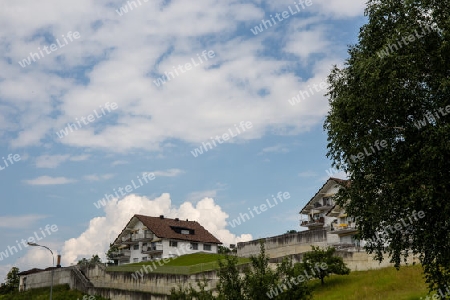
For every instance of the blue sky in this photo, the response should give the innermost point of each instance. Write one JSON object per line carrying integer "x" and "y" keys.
{"x": 106, "y": 62}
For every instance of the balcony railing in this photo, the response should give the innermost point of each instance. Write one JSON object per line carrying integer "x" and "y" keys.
{"x": 343, "y": 227}
{"x": 122, "y": 254}
{"x": 312, "y": 223}
{"x": 142, "y": 236}
{"x": 152, "y": 249}
{"x": 137, "y": 237}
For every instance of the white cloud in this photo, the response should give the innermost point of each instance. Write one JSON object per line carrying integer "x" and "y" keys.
{"x": 275, "y": 149}
{"x": 80, "y": 157}
{"x": 95, "y": 177}
{"x": 119, "y": 162}
{"x": 104, "y": 230}
{"x": 171, "y": 37}
{"x": 23, "y": 221}
{"x": 168, "y": 173}
{"x": 50, "y": 161}
{"x": 48, "y": 180}
{"x": 53, "y": 161}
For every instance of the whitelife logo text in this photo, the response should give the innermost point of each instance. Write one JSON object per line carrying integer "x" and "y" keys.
{"x": 90, "y": 118}
{"x": 128, "y": 189}
{"x": 27, "y": 61}
{"x": 263, "y": 207}
{"x": 225, "y": 137}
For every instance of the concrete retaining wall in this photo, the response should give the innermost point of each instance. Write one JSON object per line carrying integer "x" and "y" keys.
{"x": 286, "y": 244}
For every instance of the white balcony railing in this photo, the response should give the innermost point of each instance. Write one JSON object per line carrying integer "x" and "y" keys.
{"x": 156, "y": 247}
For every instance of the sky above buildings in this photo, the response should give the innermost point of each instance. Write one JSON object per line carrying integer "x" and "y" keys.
{"x": 193, "y": 109}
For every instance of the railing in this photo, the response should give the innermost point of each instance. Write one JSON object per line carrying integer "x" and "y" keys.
{"x": 157, "y": 247}
{"x": 120, "y": 253}
{"x": 342, "y": 226}
{"x": 320, "y": 221}
{"x": 141, "y": 236}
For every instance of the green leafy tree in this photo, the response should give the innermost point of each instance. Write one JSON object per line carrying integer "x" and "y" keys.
{"x": 292, "y": 281}
{"x": 90, "y": 262}
{"x": 12, "y": 281}
{"x": 257, "y": 281}
{"x": 394, "y": 91}
{"x": 259, "y": 278}
{"x": 110, "y": 254}
{"x": 224, "y": 250}
{"x": 230, "y": 286}
{"x": 321, "y": 263}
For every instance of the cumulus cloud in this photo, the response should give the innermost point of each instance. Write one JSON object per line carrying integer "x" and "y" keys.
{"x": 104, "y": 230}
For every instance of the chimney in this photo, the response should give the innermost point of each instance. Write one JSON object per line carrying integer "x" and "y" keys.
{"x": 161, "y": 216}
{"x": 58, "y": 261}
{"x": 176, "y": 219}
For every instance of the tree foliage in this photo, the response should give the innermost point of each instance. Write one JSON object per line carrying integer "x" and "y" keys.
{"x": 377, "y": 97}
{"x": 110, "y": 254}
{"x": 321, "y": 263}
{"x": 257, "y": 280}
{"x": 95, "y": 259}
{"x": 12, "y": 282}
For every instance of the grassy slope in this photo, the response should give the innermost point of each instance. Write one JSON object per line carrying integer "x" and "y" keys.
{"x": 60, "y": 292}
{"x": 385, "y": 284}
{"x": 185, "y": 264}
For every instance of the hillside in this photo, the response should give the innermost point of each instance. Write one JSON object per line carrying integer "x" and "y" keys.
{"x": 185, "y": 264}
{"x": 385, "y": 284}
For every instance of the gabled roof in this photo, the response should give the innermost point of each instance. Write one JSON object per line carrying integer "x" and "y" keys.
{"x": 325, "y": 187}
{"x": 164, "y": 228}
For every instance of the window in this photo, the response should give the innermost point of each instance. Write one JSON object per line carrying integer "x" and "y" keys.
{"x": 173, "y": 244}
{"x": 207, "y": 247}
{"x": 136, "y": 259}
{"x": 136, "y": 247}
{"x": 144, "y": 258}
{"x": 182, "y": 230}
{"x": 194, "y": 246}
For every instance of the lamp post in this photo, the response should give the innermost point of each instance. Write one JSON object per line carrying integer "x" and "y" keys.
{"x": 51, "y": 284}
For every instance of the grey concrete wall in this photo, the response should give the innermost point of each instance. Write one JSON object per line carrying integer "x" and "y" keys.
{"x": 150, "y": 282}
{"x": 285, "y": 244}
{"x": 43, "y": 279}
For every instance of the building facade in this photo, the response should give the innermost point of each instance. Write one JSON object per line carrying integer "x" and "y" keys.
{"x": 147, "y": 238}
{"x": 321, "y": 212}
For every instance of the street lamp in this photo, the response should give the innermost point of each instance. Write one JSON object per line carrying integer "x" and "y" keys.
{"x": 51, "y": 284}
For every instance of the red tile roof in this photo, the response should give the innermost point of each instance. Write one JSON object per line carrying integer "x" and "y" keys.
{"x": 163, "y": 228}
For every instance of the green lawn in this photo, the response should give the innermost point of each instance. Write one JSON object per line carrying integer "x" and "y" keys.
{"x": 185, "y": 264}
{"x": 60, "y": 292}
{"x": 382, "y": 284}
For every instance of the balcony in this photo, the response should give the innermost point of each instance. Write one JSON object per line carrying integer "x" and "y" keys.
{"x": 320, "y": 207}
{"x": 152, "y": 249}
{"x": 343, "y": 228}
{"x": 134, "y": 238}
{"x": 313, "y": 223}
{"x": 122, "y": 254}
